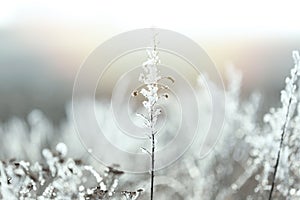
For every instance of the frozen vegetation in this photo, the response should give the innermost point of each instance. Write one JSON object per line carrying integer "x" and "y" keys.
{"x": 252, "y": 159}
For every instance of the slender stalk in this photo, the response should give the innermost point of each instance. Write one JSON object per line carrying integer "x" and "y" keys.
{"x": 152, "y": 156}
{"x": 290, "y": 87}
{"x": 150, "y": 78}
{"x": 279, "y": 150}
{"x": 152, "y": 167}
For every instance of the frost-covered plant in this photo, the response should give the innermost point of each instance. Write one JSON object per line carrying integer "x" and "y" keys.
{"x": 288, "y": 99}
{"x": 225, "y": 163}
{"x": 151, "y": 91}
{"x": 58, "y": 177}
{"x": 274, "y": 149}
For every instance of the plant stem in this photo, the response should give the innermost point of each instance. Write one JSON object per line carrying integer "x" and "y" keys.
{"x": 279, "y": 150}
{"x": 152, "y": 166}
{"x": 152, "y": 155}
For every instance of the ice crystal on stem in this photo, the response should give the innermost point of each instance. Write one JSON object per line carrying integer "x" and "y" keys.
{"x": 151, "y": 92}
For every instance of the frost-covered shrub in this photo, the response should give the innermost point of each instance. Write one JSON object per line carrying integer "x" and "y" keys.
{"x": 57, "y": 177}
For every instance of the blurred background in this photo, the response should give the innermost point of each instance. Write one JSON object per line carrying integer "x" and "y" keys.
{"x": 42, "y": 44}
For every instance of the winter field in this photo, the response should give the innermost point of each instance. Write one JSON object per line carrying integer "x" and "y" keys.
{"x": 156, "y": 100}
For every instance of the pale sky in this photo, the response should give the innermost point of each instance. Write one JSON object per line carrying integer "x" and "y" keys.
{"x": 210, "y": 17}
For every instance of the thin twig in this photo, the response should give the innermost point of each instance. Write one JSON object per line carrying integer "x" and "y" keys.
{"x": 281, "y": 145}
{"x": 279, "y": 151}
{"x": 152, "y": 156}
